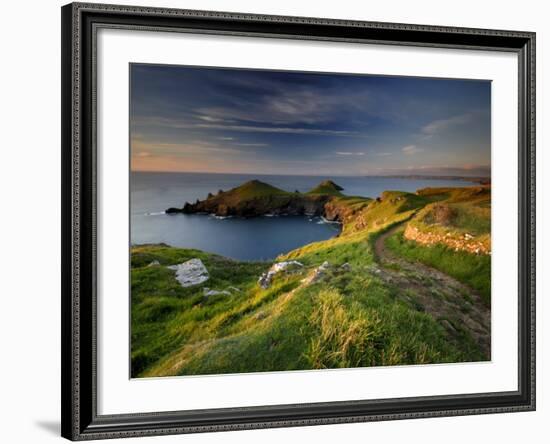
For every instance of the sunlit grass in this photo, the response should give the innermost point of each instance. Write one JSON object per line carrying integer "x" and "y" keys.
{"x": 352, "y": 318}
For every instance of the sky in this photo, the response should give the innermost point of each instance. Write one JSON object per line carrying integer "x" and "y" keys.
{"x": 196, "y": 119}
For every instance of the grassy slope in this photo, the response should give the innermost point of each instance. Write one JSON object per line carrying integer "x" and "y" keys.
{"x": 327, "y": 187}
{"x": 469, "y": 212}
{"x": 254, "y": 189}
{"x": 470, "y": 269}
{"x": 164, "y": 314}
{"x": 250, "y": 190}
{"x": 350, "y": 319}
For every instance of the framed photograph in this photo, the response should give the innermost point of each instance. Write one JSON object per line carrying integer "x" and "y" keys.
{"x": 282, "y": 221}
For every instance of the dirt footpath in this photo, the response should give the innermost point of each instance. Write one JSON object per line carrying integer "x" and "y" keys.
{"x": 455, "y": 305}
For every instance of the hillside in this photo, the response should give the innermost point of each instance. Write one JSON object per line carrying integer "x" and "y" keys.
{"x": 327, "y": 187}
{"x": 367, "y": 297}
{"x": 255, "y": 198}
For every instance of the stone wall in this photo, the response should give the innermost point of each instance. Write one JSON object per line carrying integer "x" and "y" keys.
{"x": 465, "y": 242}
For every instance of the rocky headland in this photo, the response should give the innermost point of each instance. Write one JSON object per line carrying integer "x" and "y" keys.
{"x": 256, "y": 198}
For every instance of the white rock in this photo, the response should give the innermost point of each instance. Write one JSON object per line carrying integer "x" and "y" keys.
{"x": 265, "y": 279}
{"x": 320, "y": 272}
{"x": 153, "y": 263}
{"x": 192, "y": 272}
{"x": 317, "y": 274}
{"x": 207, "y": 292}
{"x": 345, "y": 267}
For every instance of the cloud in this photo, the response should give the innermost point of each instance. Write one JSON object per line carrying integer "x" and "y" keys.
{"x": 411, "y": 149}
{"x": 283, "y": 130}
{"x": 349, "y": 153}
{"x": 383, "y": 154}
{"x": 179, "y": 124}
{"x": 251, "y": 144}
{"x": 145, "y": 149}
{"x": 284, "y": 103}
{"x": 442, "y": 125}
{"x": 211, "y": 119}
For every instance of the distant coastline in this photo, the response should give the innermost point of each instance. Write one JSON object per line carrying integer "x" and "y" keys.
{"x": 475, "y": 179}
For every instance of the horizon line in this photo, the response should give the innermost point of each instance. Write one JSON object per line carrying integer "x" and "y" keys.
{"x": 319, "y": 175}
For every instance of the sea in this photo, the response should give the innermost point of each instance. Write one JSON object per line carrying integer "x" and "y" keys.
{"x": 252, "y": 239}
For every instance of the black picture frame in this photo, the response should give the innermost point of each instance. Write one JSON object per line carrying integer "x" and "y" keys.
{"x": 80, "y": 22}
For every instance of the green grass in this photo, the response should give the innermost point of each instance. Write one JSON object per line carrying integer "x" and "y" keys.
{"x": 470, "y": 269}
{"x": 249, "y": 191}
{"x": 393, "y": 206}
{"x": 474, "y": 219}
{"x": 352, "y": 318}
{"x": 164, "y": 314}
{"x": 348, "y": 321}
{"x": 327, "y": 187}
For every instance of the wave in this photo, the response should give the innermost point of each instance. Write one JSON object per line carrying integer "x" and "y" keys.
{"x": 156, "y": 213}
{"x": 324, "y": 220}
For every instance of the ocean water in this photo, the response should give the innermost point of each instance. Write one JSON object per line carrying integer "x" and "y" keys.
{"x": 259, "y": 238}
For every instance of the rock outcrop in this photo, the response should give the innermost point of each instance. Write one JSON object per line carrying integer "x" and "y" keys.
{"x": 318, "y": 274}
{"x": 287, "y": 266}
{"x": 192, "y": 272}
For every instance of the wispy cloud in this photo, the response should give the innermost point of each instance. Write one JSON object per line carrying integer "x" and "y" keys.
{"x": 441, "y": 125}
{"x": 286, "y": 104}
{"x": 350, "y": 153}
{"x": 142, "y": 148}
{"x": 251, "y": 144}
{"x": 383, "y": 154}
{"x": 284, "y": 130}
{"x": 211, "y": 119}
{"x": 179, "y": 124}
{"x": 411, "y": 149}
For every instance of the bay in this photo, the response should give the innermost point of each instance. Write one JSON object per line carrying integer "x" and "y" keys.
{"x": 261, "y": 238}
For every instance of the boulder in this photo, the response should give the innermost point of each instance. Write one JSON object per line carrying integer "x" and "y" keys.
{"x": 192, "y": 272}
{"x": 345, "y": 267}
{"x": 320, "y": 272}
{"x": 265, "y": 279}
{"x": 317, "y": 274}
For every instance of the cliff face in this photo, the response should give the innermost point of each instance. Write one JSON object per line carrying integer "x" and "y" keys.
{"x": 336, "y": 210}
{"x": 256, "y": 198}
